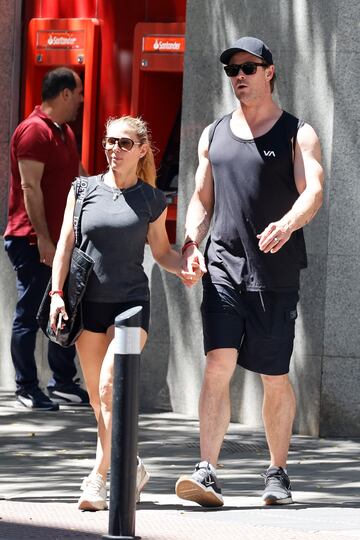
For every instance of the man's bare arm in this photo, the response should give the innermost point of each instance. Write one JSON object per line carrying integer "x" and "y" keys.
{"x": 200, "y": 209}
{"x": 201, "y": 205}
{"x": 31, "y": 173}
{"x": 309, "y": 179}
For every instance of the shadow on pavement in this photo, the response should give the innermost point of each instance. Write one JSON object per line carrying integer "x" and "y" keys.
{"x": 44, "y": 457}
{"x": 16, "y": 531}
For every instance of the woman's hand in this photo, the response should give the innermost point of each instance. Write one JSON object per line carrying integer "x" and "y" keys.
{"x": 57, "y": 306}
{"x": 191, "y": 278}
{"x": 193, "y": 265}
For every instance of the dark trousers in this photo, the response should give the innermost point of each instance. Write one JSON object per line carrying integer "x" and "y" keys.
{"x": 31, "y": 282}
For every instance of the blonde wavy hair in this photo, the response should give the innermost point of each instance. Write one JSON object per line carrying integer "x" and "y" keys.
{"x": 146, "y": 169}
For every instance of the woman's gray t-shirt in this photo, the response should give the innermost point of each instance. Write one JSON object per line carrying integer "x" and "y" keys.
{"x": 114, "y": 228}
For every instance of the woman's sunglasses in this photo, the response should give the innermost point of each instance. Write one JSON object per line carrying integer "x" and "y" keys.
{"x": 124, "y": 143}
{"x": 248, "y": 68}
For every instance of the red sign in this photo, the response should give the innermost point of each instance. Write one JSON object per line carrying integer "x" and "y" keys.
{"x": 163, "y": 44}
{"x": 60, "y": 39}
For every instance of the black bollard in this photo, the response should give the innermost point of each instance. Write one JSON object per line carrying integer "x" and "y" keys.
{"x": 127, "y": 350}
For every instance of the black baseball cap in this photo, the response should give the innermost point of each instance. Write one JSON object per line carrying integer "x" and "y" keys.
{"x": 251, "y": 45}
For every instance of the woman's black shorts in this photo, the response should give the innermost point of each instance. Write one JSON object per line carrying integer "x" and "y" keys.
{"x": 99, "y": 316}
{"x": 260, "y": 325}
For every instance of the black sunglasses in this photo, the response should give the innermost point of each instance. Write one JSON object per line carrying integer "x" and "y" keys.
{"x": 124, "y": 143}
{"x": 248, "y": 68}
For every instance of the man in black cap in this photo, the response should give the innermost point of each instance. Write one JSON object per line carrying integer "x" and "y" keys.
{"x": 259, "y": 180}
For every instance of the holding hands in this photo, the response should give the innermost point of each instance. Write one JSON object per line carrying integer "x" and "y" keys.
{"x": 193, "y": 264}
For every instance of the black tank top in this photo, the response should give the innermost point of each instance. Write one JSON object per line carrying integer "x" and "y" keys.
{"x": 254, "y": 186}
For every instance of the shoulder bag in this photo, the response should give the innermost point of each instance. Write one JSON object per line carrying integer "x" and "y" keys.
{"x": 75, "y": 284}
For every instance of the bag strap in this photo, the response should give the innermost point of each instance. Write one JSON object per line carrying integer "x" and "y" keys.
{"x": 80, "y": 187}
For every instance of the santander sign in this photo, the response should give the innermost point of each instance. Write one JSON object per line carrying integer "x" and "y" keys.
{"x": 60, "y": 39}
{"x": 164, "y": 44}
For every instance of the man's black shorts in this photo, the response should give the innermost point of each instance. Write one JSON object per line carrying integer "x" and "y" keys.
{"x": 260, "y": 325}
{"x": 99, "y": 316}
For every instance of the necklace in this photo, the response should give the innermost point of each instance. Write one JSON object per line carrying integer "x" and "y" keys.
{"x": 116, "y": 191}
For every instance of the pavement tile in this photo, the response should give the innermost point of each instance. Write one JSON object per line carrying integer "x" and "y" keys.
{"x": 44, "y": 456}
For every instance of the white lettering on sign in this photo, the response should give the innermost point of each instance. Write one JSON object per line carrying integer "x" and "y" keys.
{"x": 166, "y": 45}
{"x": 54, "y": 40}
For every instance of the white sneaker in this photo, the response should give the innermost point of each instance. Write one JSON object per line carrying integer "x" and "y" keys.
{"x": 142, "y": 478}
{"x": 94, "y": 496}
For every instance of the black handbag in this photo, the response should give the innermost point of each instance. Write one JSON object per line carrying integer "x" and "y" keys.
{"x": 75, "y": 284}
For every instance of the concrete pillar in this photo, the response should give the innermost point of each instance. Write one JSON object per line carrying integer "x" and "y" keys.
{"x": 316, "y": 51}
{"x": 10, "y": 50}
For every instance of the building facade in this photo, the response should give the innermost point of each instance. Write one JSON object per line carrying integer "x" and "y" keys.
{"x": 316, "y": 49}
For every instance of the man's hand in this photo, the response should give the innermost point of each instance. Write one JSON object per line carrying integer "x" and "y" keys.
{"x": 274, "y": 236}
{"x": 193, "y": 266}
{"x": 47, "y": 250}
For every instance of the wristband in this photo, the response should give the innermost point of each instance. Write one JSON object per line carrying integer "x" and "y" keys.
{"x": 188, "y": 244}
{"x": 59, "y": 292}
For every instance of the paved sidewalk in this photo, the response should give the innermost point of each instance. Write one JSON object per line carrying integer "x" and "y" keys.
{"x": 44, "y": 456}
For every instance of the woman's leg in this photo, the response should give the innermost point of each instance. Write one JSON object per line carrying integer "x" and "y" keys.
{"x": 103, "y": 452}
{"x": 91, "y": 348}
{"x": 96, "y": 353}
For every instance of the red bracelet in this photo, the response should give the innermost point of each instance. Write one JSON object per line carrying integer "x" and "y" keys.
{"x": 188, "y": 244}
{"x": 59, "y": 292}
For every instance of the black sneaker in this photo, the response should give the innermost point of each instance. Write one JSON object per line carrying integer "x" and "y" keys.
{"x": 70, "y": 393}
{"x": 201, "y": 487}
{"x": 277, "y": 487}
{"x": 36, "y": 399}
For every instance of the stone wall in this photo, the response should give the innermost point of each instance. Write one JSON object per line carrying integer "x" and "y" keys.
{"x": 10, "y": 45}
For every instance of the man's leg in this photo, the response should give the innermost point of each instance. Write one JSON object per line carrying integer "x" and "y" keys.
{"x": 267, "y": 349}
{"x": 214, "y": 412}
{"x": 23, "y": 336}
{"x": 278, "y": 415}
{"x": 61, "y": 362}
{"x": 31, "y": 277}
{"x": 62, "y": 387}
{"x": 214, "y": 406}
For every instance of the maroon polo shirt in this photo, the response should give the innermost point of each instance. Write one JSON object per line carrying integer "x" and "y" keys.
{"x": 37, "y": 138}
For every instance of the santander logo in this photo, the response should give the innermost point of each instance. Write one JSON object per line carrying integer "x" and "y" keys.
{"x": 166, "y": 45}
{"x": 163, "y": 44}
{"x": 60, "y": 40}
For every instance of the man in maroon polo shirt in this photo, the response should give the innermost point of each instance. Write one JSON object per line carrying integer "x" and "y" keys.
{"x": 44, "y": 162}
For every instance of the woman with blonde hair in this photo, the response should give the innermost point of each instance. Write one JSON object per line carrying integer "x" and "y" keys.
{"x": 122, "y": 209}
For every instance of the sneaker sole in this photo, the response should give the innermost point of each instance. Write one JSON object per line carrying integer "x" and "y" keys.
{"x": 20, "y": 404}
{"x": 188, "y": 489}
{"x": 272, "y": 500}
{"x": 91, "y": 506}
{"x": 64, "y": 398}
{"x": 60, "y": 401}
